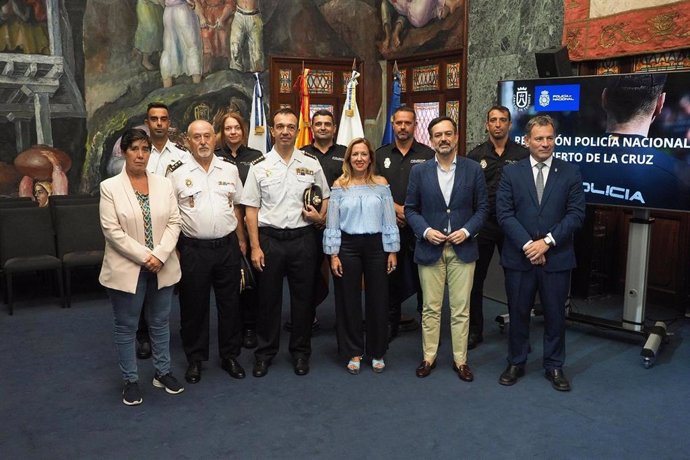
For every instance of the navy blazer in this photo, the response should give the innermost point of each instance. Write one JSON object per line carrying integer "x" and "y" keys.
{"x": 425, "y": 207}
{"x": 522, "y": 218}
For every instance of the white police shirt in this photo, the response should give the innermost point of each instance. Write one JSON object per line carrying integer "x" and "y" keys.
{"x": 160, "y": 160}
{"x": 277, "y": 188}
{"x": 207, "y": 199}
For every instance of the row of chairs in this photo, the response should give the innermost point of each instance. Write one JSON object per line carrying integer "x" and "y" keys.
{"x": 59, "y": 238}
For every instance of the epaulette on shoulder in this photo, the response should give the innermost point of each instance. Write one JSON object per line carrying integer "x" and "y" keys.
{"x": 310, "y": 155}
{"x": 226, "y": 159}
{"x": 173, "y": 166}
{"x": 258, "y": 160}
{"x": 181, "y": 146}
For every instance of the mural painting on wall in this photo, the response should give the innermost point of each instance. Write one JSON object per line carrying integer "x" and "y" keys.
{"x": 23, "y": 27}
{"x": 417, "y": 26}
{"x": 202, "y": 51}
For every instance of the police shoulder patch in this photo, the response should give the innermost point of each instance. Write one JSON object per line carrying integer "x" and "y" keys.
{"x": 259, "y": 160}
{"x": 181, "y": 146}
{"x": 310, "y": 155}
{"x": 173, "y": 166}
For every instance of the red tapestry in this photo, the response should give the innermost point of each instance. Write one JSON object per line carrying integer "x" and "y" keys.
{"x": 636, "y": 30}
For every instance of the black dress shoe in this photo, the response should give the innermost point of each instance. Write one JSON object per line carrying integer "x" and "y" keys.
{"x": 249, "y": 339}
{"x": 511, "y": 375}
{"x": 557, "y": 379}
{"x": 193, "y": 374}
{"x": 232, "y": 367}
{"x": 301, "y": 366}
{"x": 464, "y": 372}
{"x": 143, "y": 349}
{"x": 424, "y": 369}
{"x": 260, "y": 368}
{"x": 474, "y": 340}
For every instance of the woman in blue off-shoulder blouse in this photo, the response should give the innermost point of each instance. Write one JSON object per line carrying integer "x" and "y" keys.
{"x": 362, "y": 238}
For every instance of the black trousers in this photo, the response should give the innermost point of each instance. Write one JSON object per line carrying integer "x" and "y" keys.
{"x": 362, "y": 255}
{"x": 206, "y": 264}
{"x": 404, "y": 281}
{"x": 292, "y": 253}
{"x": 490, "y": 237}
{"x": 249, "y": 303}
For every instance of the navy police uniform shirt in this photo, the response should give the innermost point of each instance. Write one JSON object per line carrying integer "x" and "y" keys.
{"x": 331, "y": 161}
{"x": 492, "y": 165}
{"x": 395, "y": 167}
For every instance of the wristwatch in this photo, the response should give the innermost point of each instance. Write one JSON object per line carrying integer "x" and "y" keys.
{"x": 549, "y": 241}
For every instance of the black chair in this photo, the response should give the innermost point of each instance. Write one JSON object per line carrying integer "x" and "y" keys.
{"x": 58, "y": 200}
{"x": 17, "y": 202}
{"x": 79, "y": 238}
{"x": 27, "y": 244}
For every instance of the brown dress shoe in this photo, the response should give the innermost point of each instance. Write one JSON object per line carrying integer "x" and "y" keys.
{"x": 464, "y": 372}
{"x": 424, "y": 369}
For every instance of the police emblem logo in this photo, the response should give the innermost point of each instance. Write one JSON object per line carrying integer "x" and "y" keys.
{"x": 387, "y": 163}
{"x": 521, "y": 98}
{"x": 544, "y": 98}
{"x": 483, "y": 163}
{"x": 188, "y": 182}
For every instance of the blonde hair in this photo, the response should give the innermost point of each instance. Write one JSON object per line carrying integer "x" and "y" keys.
{"x": 346, "y": 177}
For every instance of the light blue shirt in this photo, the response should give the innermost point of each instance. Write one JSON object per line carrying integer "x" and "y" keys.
{"x": 361, "y": 210}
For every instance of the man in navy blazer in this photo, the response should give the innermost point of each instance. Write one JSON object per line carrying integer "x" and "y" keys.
{"x": 539, "y": 204}
{"x": 446, "y": 205}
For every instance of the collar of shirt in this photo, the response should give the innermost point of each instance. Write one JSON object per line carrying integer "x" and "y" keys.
{"x": 452, "y": 166}
{"x": 167, "y": 147}
{"x": 215, "y": 163}
{"x": 273, "y": 157}
{"x": 547, "y": 162}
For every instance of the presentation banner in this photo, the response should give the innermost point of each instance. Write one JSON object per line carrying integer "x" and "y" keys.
{"x": 629, "y": 133}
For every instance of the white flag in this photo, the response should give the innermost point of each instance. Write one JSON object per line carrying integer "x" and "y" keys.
{"x": 258, "y": 130}
{"x": 350, "y": 123}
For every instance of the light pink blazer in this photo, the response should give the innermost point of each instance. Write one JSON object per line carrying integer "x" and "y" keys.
{"x": 123, "y": 227}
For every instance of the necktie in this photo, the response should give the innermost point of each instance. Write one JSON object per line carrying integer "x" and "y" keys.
{"x": 540, "y": 181}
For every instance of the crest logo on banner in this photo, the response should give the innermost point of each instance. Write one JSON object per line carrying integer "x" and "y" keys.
{"x": 521, "y": 98}
{"x": 544, "y": 98}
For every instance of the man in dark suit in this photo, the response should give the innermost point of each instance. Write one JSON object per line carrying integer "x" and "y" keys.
{"x": 539, "y": 204}
{"x": 446, "y": 204}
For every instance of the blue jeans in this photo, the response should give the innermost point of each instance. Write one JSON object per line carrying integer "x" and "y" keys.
{"x": 126, "y": 311}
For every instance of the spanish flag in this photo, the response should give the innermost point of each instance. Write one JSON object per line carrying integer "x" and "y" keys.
{"x": 304, "y": 135}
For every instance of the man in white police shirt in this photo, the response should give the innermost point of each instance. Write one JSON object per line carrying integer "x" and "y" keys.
{"x": 208, "y": 190}
{"x": 394, "y": 162}
{"x": 281, "y": 235}
{"x": 164, "y": 153}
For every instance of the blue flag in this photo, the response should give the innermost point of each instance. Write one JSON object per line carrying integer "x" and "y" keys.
{"x": 392, "y": 107}
{"x": 258, "y": 137}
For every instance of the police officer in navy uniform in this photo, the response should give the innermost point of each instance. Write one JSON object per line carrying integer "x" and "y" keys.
{"x": 164, "y": 153}
{"x": 394, "y": 162}
{"x": 233, "y": 134}
{"x": 281, "y": 235}
{"x": 492, "y": 156}
{"x": 208, "y": 190}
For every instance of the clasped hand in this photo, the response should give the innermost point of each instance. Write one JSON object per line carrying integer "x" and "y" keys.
{"x": 536, "y": 252}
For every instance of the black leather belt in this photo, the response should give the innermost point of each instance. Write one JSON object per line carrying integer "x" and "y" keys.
{"x": 287, "y": 233}
{"x": 214, "y": 243}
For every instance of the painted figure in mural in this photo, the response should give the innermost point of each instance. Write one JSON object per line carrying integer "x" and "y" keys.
{"x": 214, "y": 18}
{"x": 148, "y": 38}
{"x": 416, "y": 12}
{"x": 247, "y": 29}
{"x": 181, "y": 42}
{"x": 38, "y": 164}
{"x": 23, "y": 27}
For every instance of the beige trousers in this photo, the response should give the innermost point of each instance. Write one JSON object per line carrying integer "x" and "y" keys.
{"x": 449, "y": 268}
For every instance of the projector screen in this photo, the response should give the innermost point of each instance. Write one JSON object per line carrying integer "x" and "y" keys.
{"x": 629, "y": 133}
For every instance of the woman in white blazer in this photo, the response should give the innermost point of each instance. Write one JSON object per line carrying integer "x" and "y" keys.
{"x": 141, "y": 224}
